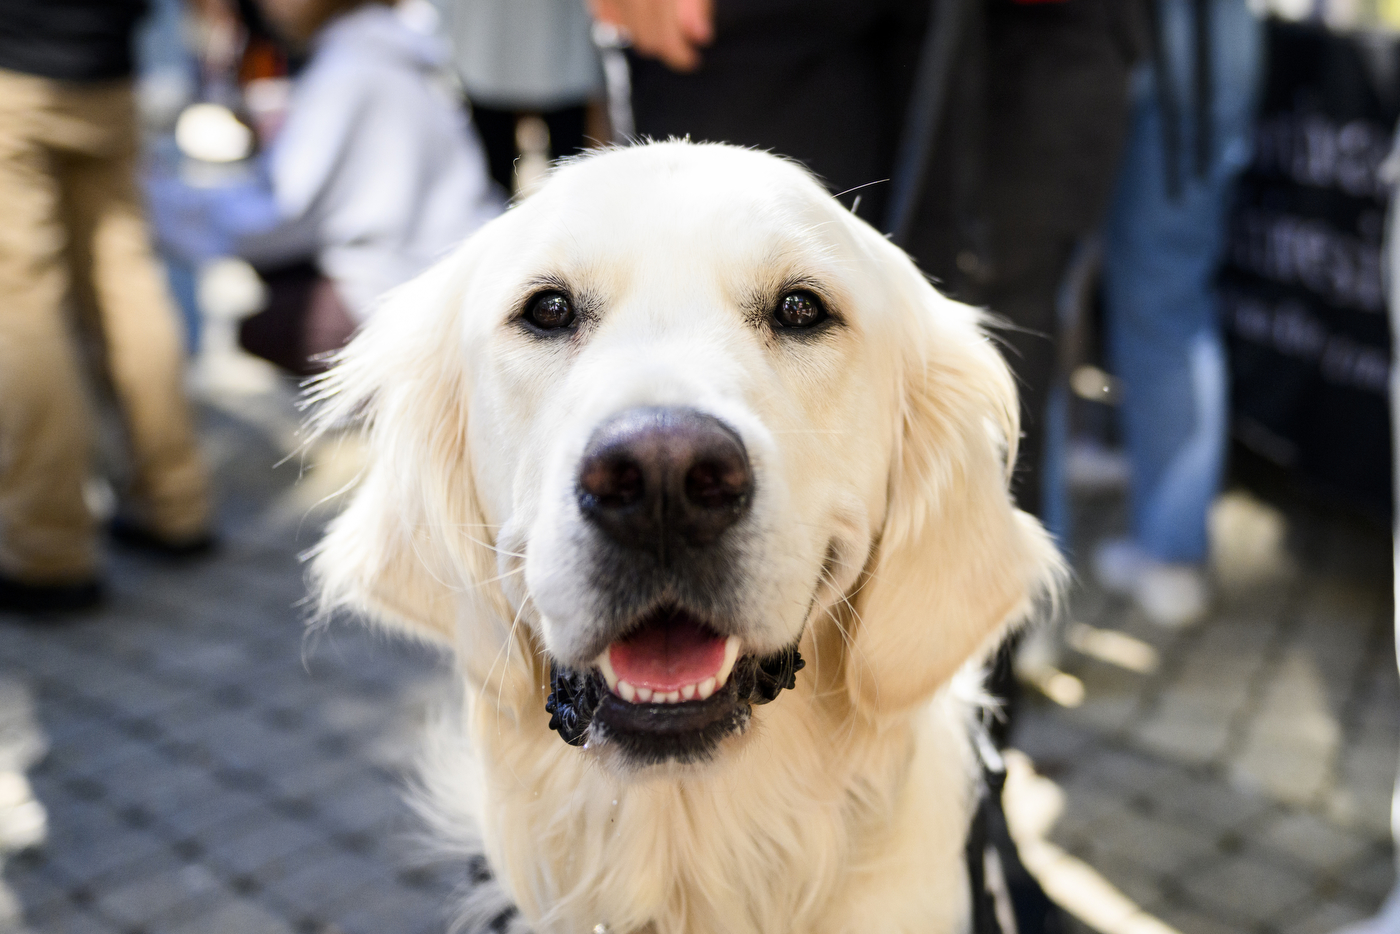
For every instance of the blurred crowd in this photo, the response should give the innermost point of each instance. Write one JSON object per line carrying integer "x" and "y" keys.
{"x": 1111, "y": 178}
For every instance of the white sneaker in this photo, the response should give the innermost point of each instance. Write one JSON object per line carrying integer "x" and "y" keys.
{"x": 1173, "y": 595}
{"x": 1118, "y": 563}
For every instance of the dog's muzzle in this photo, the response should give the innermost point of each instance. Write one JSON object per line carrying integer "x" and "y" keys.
{"x": 583, "y": 708}
{"x": 666, "y": 490}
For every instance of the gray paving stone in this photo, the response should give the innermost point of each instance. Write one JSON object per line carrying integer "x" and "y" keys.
{"x": 235, "y": 916}
{"x": 170, "y": 788}
{"x": 220, "y": 807}
{"x": 352, "y": 714}
{"x": 1050, "y": 741}
{"x": 34, "y": 891}
{"x": 1365, "y": 781}
{"x": 1246, "y": 890}
{"x": 1144, "y": 886}
{"x": 140, "y": 767}
{"x": 252, "y": 842}
{"x": 1313, "y": 843}
{"x": 1323, "y": 918}
{"x": 1191, "y": 921}
{"x": 236, "y": 738}
{"x": 112, "y": 857}
{"x": 1293, "y": 743}
{"x": 364, "y": 803}
{"x": 1127, "y": 770}
{"x": 1087, "y": 805}
{"x": 314, "y": 775}
{"x": 69, "y": 921}
{"x": 1112, "y": 697}
{"x": 1211, "y": 807}
{"x": 397, "y": 910}
{"x": 162, "y": 898}
{"x": 1371, "y": 880}
{"x": 94, "y": 747}
{"x": 1187, "y": 728}
{"x": 327, "y": 882}
{"x": 1158, "y": 846}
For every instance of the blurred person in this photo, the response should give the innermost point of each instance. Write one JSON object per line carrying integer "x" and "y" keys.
{"x": 374, "y": 174}
{"x": 1023, "y": 157}
{"x": 1164, "y": 243}
{"x": 75, "y": 258}
{"x": 525, "y": 57}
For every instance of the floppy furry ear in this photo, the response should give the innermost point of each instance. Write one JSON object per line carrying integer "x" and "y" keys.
{"x": 957, "y": 564}
{"x": 403, "y": 550}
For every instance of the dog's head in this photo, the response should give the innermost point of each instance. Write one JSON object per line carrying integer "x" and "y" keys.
{"x": 646, "y": 431}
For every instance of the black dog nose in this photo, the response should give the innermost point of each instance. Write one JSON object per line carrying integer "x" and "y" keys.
{"x": 653, "y": 475}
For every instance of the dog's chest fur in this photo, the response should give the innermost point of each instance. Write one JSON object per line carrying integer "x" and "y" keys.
{"x": 823, "y": 828}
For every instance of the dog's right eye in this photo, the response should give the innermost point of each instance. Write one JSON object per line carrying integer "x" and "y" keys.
{"x": 800, "y": 310}
{"x": 550, "y": 311}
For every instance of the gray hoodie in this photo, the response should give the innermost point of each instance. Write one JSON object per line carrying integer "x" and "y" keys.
{"x": 377, "y": 163}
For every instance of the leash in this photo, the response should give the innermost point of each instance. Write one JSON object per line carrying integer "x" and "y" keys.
{"x": 992, "y": 908}
{"x": 927, "y": 102}
{"x": 1005, "y": 897}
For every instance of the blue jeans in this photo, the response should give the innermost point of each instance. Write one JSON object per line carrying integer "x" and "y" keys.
{"x": 1160, "y": 259}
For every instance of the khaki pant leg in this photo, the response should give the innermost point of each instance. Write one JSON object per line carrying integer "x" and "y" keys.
{"x": 136, "y": 315}
{"x": 46, "y": 531}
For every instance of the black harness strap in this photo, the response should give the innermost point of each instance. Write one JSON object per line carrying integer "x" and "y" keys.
{"x": 1005, "y": 897}
{"x": 984, "y": 914}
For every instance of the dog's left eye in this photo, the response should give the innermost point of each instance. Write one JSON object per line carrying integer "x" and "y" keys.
{"x": 550, "y": 311}
{"x": 800, "y": 309}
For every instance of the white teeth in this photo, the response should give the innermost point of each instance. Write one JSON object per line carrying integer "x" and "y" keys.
{"x": 604, "y": 664}
{"x": 731, "y": 655}
{"x": 642, "y": 695}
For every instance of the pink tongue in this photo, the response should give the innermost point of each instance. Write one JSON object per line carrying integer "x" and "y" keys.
{"x": 668, "y": 655}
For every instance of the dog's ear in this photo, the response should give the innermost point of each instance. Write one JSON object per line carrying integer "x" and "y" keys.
{"x": 956, "y": 563}
{"x": 403, "y": 550}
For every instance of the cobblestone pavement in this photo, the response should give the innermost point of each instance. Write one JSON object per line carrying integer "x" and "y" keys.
{"x": 1235, "y": 776}
{"x": 204, "y": 767}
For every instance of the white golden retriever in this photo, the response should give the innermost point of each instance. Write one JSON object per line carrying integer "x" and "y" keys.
{"x": 636, "y": 445}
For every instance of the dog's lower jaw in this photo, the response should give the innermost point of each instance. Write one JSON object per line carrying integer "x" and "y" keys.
{"x": 583, "y": 711}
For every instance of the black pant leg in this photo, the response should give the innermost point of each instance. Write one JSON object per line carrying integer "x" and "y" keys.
{"x": 824, "y": 82}
{"x": 497, "y": 131}
{"x": 566, "y": 130}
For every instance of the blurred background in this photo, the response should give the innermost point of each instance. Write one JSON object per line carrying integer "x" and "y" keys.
{"x": 1179, "y": 209}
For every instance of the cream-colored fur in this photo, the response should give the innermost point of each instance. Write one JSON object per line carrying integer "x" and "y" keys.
{"x": 883, "y": 537}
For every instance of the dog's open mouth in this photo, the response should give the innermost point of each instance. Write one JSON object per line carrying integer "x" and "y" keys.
{"x": 672, "y": 688}
{"x": 673, "y": 657}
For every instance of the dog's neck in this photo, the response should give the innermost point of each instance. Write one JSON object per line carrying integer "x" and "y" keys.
{"x": 815, "y": 812}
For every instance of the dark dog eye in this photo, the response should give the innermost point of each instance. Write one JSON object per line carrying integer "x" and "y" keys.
{"x": 550, "y": 311}
{"x": 800, "y": 309}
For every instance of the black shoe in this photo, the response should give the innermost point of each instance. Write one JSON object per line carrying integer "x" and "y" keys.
{"x": 138, "y": 538}
{"x": 18, "y": 597}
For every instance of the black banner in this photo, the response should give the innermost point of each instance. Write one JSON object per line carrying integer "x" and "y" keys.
{"x": 1302, "y": 292}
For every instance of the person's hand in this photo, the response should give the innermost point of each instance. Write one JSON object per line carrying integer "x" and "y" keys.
{"x": 671, "y": 30}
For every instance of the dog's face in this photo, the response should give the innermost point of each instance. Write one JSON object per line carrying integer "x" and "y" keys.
{"x": 681, "y": 395}
{"x": 674, "y": 383}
